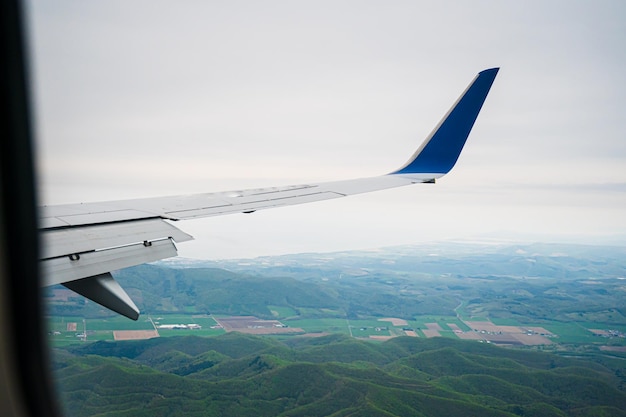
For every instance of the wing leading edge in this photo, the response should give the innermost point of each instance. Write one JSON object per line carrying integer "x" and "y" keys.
{"x": 82, "y": 243}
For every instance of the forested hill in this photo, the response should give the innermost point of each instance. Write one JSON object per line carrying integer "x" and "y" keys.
{"x": 520, "y": 282}
{"x": 240, "y": 375}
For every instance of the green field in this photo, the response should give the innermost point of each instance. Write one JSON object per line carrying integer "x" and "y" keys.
{"x": 102, "y": 329}
{"x": 571, "y": 333}
{"x": 282, "y": 312}
{"x": 323, "y": 325}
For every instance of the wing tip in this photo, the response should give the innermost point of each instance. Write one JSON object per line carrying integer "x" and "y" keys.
{"x": 441, "y": 149}
{"x": 488, "y": 70}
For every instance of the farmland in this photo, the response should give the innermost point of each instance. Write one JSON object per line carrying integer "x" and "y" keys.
{"x": 550, "y": 296}
{"x": 548, "y": 335}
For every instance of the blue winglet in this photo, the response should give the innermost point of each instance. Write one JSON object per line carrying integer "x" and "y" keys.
{"x": 442, "y": 148}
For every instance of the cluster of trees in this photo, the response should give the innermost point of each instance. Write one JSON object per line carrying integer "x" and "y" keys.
{"x": 241, "y": 375}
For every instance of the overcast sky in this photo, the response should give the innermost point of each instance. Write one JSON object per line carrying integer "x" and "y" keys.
{"x": 152, "y": 98}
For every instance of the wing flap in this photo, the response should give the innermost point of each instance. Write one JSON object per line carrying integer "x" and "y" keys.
{"x": 68, "y": 215}
{"x": 77, "y": 240}
{"x": 71, "y": 268}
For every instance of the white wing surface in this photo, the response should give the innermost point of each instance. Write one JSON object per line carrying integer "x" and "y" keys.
{"x": 82, "y": 243}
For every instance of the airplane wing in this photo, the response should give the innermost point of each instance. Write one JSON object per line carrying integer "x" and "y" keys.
{"x": 83, "y": 243}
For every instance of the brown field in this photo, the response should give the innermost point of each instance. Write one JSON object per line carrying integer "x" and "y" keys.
{"x": 255, "y": 325}
{"x": 469, "y": 336}
{"x": 434, "y": 326}
{"x": 613, "y": 348}
{"x": 411, "y": 333}
{"x": 502, "y": 339}
{"x": 431, "y": 333}
{"x": 510, "y": 329}
{"x": 539, "y": 330}
{"x": 271, "y": 330}
{"x": 507, "y": 335}
{"x": 489, "y": 327}
{"x": 134, "y": 334}
{"x": 71, "y": 327}
{"x": 455, "y": 328}
{"x": 383, "y": 338}
{"x": 532, "y": 339}
{"x": 395, "y": 321}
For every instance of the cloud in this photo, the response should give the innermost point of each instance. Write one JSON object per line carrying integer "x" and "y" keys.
{"x": 153, "y": 98}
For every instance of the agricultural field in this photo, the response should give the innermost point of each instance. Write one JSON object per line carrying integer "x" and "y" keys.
{"x": 67, "y": 330}
{"x": 71, "y": 330}
{"x": 510, "y": 294}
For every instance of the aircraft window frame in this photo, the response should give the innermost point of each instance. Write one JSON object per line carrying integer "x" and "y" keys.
{"x": 25, "y": 379}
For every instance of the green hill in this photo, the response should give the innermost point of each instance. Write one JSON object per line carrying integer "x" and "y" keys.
{"x": 241, "y": 375}
{"x": 537, "y": 283}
